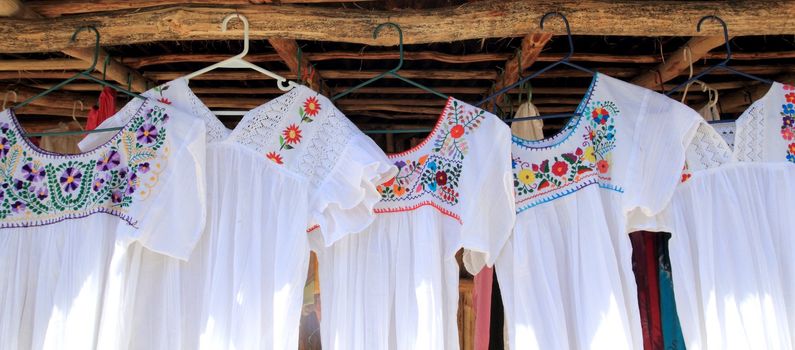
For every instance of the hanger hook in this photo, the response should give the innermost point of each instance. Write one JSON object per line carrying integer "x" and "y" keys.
{"x": 725, "y": 33}
{"x": 400, "y": 38}
{"x": 243, "y": 19}
{"x": 5, "y": 98}
{"x": 74, "y": 108}
{"x": 568, "y": 31}
{"x": 94, "y": 59}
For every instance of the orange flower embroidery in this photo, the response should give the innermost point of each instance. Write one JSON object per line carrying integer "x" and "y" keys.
{"x": 275, "y": 157}
{"x": 292, "y": 134}
{"x": 603, "y": 166}
{"x": 311, "y": 106}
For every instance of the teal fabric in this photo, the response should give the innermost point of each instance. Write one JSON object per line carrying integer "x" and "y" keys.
{"x": 671, "y": 329}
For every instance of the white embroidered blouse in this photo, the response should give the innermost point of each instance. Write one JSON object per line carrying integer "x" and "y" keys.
{"x": 73, "y": 227}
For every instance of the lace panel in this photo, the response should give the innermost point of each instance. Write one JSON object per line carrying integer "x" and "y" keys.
{"x": 300, "y": 130}
{"x": 708, "y": 149}
{"x": 749, "y": 138}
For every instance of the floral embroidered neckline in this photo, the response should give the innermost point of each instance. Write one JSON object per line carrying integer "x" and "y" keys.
{"x": 429, "y": 174}
{"x": 567, "y": 163}
{"x": 38, "y": 187}
{"x": 788, "y": 121}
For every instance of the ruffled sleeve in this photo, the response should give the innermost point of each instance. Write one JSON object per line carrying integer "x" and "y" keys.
{"x": 488, "y": 211}
{"x": 343, "y": 201}
{"x": 170, "y": 189}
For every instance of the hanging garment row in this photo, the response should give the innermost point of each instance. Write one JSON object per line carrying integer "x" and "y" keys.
{"x": 175, "y": 232}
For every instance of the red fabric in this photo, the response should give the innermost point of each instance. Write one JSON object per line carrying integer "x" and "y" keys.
{"x": 93, "y": 117}
{"x": 481, "y": 297}
{"x": 644, "y": 264}
{"x": 106, "y": 109}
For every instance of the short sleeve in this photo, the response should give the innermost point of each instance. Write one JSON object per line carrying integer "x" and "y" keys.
{"x": 662, "y": 132}
{"x": 343, "y": 201}
{"x": 169, "y": 203}
{"x": 488, "y": 211}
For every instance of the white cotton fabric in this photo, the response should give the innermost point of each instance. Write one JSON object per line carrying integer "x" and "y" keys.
{"x": 243, "y": 286}
{"x": 732, "y": 242}
{"x": 566, "y": 273}
{"x": 395, "y": 284}
{"x": 68, "y": 277}
{"x": 732, "y": 256}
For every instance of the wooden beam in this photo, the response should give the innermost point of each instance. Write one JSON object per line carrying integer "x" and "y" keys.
{"x": 332, "y": 74}
{"x": 287, "y": 49}
{"x": 45, "y": 64}
{"x": 71, "y": 7}
{"x": 482, "y": 19}
{"x": 678, "y": 62}
{"x": 737, "y": 100}
{"x": 113, "y": 71}
{"x": 138, "y": 62}
{"x": 528, "y": 52}
{"x": 62, "y": 99}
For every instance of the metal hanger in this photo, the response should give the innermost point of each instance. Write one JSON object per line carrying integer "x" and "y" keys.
{"x": 564, "y": 61}
{"x": 86, "y": 74}
{"x": 393, "y": 72}
{"x": 722, "y": 64}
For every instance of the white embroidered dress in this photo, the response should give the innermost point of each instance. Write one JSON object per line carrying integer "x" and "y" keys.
{"x": 74, "y": 227}
{"x": 289, "y": 162}
{"x": 395, "y": 284}
{"x": 566, "y": 274}
{"x": 732, "y": 239}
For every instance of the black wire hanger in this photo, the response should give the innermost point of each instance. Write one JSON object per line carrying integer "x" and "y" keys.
{"x": 393, "y": 72}
{"x": 564, "y": 61}
{"x": 722, "y": 64}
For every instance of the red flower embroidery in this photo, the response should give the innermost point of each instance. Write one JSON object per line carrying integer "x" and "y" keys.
{"x": 787, "y": 134}
{"x": 390, "y": 182}
{"x": 792, "y": 148}
{"x": 441, "y": 178}
{"x": 457, "y": 131}
{"x": 292, "y": 134}
{"x": 164, "y": 100}
{"x": 275, "y": 157}
{"x": 790, "y": 97}
{"x": 789, "y": 87}
{"x": 560, "y": 168}
{"x": 603, "y": 166}
{"x": 311, "y": 106}
{"x": 685, "y": 177}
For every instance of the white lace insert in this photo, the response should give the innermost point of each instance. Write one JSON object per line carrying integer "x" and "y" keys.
{"x": 749, "y": 138}
{"x": 726, "y": 131}
{"x": 708, "y": 149}
{"x": 273, "y": 129}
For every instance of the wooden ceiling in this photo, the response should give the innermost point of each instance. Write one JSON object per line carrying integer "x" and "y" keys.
{"x": 462, "y": 48}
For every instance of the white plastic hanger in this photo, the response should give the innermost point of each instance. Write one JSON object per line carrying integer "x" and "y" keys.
{"x": 237, "y": 61}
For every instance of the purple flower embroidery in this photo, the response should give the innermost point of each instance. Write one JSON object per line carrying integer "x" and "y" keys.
{"x": 4, "y": 146}
{"x": 18, "y": 184}
{"x": 33, "y": 173}
{"x": 99, "y": 182}
{"x": 70, "y": 179}
{"x": 2, "y": 195}
{"x": 146, "y": 134}
{"x": 18, "y": 207}
{"x": 4, "y": 127}
{"x": 123, "y": 172}
{"x": 400, "y": 164}
{"x": 144, "y": 168}
{"x": 132, "y": 183}
{"x": 41, "y": 193}
{"x": 109, "y": 161}
{"x": 116, "y": 196}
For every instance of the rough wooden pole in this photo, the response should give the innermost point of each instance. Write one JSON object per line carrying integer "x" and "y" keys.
{"x": 114, "y": 71}
{"x": 527, "y": 54}
{"x": 476, "y": 20}
{"x": 288, "y": 51}
{"x": 678, "y": 62}
{"x": 745, "y": 96}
